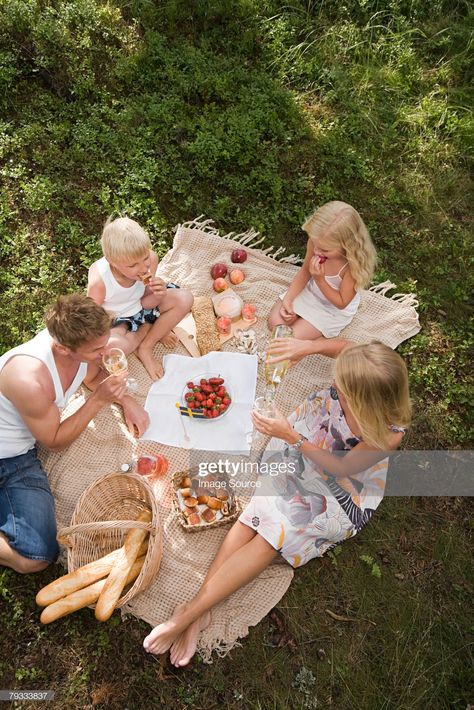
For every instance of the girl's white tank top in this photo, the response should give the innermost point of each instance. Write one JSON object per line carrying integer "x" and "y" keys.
{"x": 15, "y": 437}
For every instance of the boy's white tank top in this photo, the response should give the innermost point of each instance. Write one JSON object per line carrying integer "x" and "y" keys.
{"x": 119, "y": 300}
{"x": 15, "y": 437}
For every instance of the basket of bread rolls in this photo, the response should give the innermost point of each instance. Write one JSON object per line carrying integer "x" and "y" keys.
{"x": 114, "y": 549}
{"x": 203, "y": 503}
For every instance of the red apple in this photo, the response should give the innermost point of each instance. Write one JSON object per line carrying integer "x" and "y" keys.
{"x": 218, "y": 271}
{"x": 236, "y": 276}
{"x": 220, "y": 285}
{"x": 238, "y": 256}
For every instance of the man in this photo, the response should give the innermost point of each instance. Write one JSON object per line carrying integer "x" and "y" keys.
{"x": 36, "y": 381}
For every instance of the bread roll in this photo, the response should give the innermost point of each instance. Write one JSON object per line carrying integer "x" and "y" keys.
{"x": 117, "y": 578}
{"x": 214, "y": 503}
{"x": 83, "y": 597}
{"x": 81, "y": 577}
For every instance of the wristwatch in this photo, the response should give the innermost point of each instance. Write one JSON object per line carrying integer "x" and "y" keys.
{"x": 298, "y": 444}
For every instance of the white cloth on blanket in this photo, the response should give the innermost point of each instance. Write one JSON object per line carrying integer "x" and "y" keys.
{"x": 226, "y": 433}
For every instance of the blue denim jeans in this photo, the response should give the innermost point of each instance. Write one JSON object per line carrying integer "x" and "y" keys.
{"x": 27, "y": 508}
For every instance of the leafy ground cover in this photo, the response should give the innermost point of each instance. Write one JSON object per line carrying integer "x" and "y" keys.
{"x": 253, "y": 113}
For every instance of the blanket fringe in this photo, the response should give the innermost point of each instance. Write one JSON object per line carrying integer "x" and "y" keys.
{"x": 382, "y": 288}
{"x": 218, "y": 646}
{"x": 405, "y": 299}
{"x": 250, "y": 239}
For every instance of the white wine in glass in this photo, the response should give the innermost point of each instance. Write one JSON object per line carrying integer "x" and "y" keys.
{"x": 115, "y": 362}
{"x": 275, "y": 372}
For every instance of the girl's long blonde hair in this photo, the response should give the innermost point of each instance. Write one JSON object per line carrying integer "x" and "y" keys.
{"x": 342, "y": 228}
{"x": 374, "y": 380}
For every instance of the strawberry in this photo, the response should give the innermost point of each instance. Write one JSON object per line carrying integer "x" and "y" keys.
{"x": 226, "y": 401}
{"x": 222, "y": 407}
{"x": 209, "y": 403}
{"x": 203, "y": 382}
{"x": 220, "y": 392}
{"x": 190, "y": 385}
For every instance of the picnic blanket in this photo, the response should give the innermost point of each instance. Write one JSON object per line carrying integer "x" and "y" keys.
{"x": 106, "y": 443}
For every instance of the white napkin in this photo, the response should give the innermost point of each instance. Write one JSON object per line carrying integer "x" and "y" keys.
{"x": 226, "y": 433}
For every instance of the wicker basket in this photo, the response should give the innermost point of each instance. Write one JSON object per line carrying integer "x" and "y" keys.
{"x": 103, "y": 515}
{"x": 235, "y": 508}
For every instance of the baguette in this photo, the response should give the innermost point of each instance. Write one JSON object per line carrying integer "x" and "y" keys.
{"x": 83, "y": 597}
{"x": 81, "y": 577}
{"x": 117, "y": 578}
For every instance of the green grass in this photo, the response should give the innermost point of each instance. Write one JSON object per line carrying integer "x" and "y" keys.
{"x": 253, "y": 113}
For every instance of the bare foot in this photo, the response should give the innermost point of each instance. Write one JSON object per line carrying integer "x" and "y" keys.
{"x": 153, "y": 367}
{"x": 184, "y": 647}
{"x": 163, "y": 636}
{"x": 169, "y": 340}
{"x": 160, "y": 639}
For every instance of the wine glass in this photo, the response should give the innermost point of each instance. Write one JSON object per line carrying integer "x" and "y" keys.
{"x": 115, "y": 362}
{"x": 266, "y": 409}
{"x": 275, "y": 372}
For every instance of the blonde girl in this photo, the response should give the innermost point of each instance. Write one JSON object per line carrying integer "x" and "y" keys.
{"x": 324, "y": 296}
{"x": 322, "y": 499}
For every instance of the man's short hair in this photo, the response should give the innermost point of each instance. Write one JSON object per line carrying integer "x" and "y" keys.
{"x": 76, "y": 319}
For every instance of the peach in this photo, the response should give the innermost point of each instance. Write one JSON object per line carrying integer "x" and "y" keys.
{"x": 220, "y": 285}
{"x": 236, "y": 276}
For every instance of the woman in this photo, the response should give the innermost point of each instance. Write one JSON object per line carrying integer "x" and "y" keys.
{"x": 323, "y": 500}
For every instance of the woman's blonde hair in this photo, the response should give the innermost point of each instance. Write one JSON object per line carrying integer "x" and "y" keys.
{"x": 123, "y": 239}
{"x": 342, "y": 228}
{"x": 374, "y": 380}
{"x": 76, "y": 319}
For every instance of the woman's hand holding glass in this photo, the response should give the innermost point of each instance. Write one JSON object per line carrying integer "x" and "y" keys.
{"x": 277, "y": 425}
{"x": 280, "y": 349}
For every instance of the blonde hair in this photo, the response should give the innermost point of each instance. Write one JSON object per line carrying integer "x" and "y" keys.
{"x": 76, "y": 319}
{"x": 374, "y": 380}
{"x": 123, "y": 239}
{"x": 342, "y": 228}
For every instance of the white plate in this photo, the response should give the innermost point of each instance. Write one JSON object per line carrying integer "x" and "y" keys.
{"x": 196, "y": 380}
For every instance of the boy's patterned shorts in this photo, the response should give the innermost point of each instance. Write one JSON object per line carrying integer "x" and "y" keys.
{"x": 146, "y": 315}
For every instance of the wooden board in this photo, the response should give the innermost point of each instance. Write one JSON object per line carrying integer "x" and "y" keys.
{"x": 242, "y": 324}
{"x": 185, "y": 331}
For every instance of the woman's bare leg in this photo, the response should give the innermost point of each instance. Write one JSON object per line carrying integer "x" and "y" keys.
{"x": 184, "y": 647}
{"x": 244, "y": 565}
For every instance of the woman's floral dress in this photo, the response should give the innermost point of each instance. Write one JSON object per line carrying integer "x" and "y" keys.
{"x": 307, "y": 511}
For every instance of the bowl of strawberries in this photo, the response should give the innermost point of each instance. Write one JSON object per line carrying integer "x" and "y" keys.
{"x": 207, "y": 396}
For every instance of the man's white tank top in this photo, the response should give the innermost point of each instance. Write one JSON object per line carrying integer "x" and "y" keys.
{"x": 15, "y": 437}
{"x": 119, "y": 300}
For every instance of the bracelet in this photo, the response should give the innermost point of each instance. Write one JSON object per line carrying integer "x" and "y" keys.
{"x": 298, "y": 444}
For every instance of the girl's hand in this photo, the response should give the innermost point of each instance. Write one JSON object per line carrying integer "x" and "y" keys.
{"x": 278, "y": 427}
{"x": 316, "y": 269}
{"x": 290, "y": 349}
{"x": 287, "y": 312}
{"x": 157, "y": 286}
